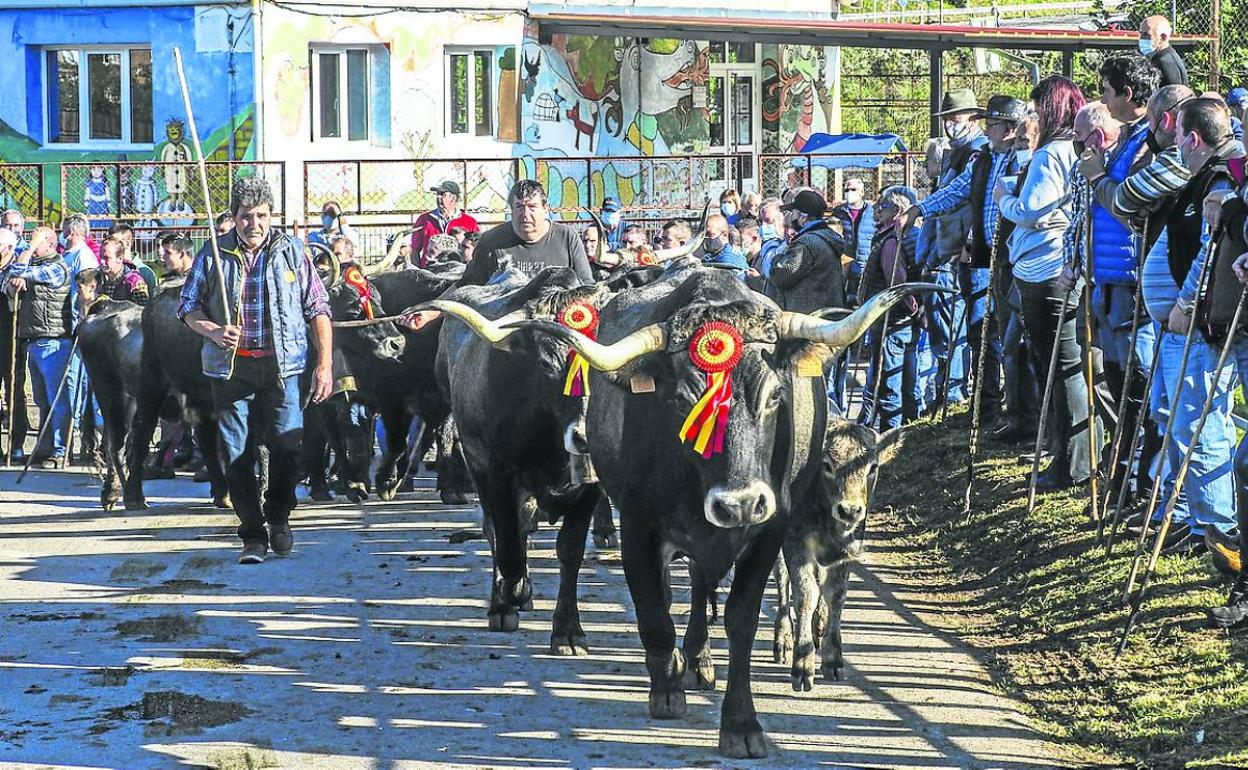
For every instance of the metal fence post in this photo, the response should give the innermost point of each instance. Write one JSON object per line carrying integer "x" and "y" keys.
{"x": 306, "y": 170}
{"x": 359, "y": 187}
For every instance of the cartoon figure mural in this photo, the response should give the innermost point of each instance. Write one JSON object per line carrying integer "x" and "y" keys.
{"x": 793, "y": 82}
{"x": 177, "y": 182}
{"x": 96, "y": 198}
{"x": 145, "y": 193}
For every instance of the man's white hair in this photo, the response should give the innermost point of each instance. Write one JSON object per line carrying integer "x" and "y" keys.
{"x": 1097, "y": 116}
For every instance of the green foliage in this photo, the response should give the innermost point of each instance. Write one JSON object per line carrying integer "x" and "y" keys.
{"x": 1048, "y": 609}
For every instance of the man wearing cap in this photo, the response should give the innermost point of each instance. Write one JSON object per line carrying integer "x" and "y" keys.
{"x": 11, "y": 355}
{"x": 440, "y": 220}
{"x": 1237, "y": 101}
{"x": 807, "y": 275}
{"x": 613, "y": 220}
{"x": 959, "y": 112}
{"x": 1155, "y": 33}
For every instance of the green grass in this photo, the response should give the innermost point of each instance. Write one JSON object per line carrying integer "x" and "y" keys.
{"x": 1045, "y": 610}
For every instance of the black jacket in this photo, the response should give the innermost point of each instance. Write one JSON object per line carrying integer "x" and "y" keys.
{"x": 1170, "y": 65}
{"x": 807, "y": 276}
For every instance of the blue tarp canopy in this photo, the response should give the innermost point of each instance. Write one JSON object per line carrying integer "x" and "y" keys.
{"x": 833, "y": 151}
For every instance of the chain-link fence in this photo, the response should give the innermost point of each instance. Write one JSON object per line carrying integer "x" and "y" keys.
{"x": 154, "y": 195}
{"x": 405, "y": 186}
{"x": 21, "y": 188}
{"x": 828, "y": 172}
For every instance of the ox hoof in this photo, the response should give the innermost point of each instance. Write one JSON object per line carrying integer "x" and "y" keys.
{"x": 803, "y": 680}
{"x": 220, "y": 501}
{"x": 387, "y": 493}
{"x": 606, "y": 540}
{"x": 667, "y": 705}
{"x": 746, "y": 743}
{"x": 322, "y": 495}
{"x": 568, "y": 645}
{"x": 136, "y": 505}
{"x": 506, "y": 619}
{"x": 782, "y": 650}
{"x": 449, "y": 497}
{"x": 357, "y": 494}
{"x": 700, "y": 676}
{"x": 831, "y": 670}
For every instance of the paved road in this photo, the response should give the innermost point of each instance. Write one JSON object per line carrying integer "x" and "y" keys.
{"x": 132, "y": 640}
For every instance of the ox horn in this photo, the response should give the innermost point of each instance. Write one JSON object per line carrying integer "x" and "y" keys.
{"x": 491, "y": 331}
{"x": 432, "y": 277}
{"x": 387, "y": 262}
{"x": 667, "y": 255}
{"x": 604, "y": 358}
{"x": 335, "y": 267}
{"x": 602, "y": 236}
{"x": 842, "y": 333}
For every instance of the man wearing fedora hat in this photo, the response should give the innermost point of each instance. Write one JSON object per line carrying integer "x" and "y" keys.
{"x": 959, "y": 112}
{"x": 972, "y": 189}
{"x": 440, "y": 220}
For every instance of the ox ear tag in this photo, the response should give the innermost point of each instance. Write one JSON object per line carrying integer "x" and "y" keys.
{"x": 809, "y": 365}
{"x": 641, "y": 383}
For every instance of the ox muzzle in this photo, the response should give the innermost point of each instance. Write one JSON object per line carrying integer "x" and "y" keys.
{"x": 743, "y": 506}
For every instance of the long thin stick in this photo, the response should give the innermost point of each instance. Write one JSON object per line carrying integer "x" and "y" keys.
{"x": 1173, "y": 499}
{"x": 12, "y": 400}
{"x": 977, "y": 392}
{"x": 879, "y": 373}
{"x": 1177, "y": 398}
{"x": 1045, "y": 403}
{"x": 963, "y": 326}
{"x": 1094, "y": 451}
{"x": 47, "y": 420}
{"x": 1136, "y": 434}
{"x": 203, "y": 183}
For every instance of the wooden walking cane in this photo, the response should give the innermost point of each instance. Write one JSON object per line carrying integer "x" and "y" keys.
{"x": 17, "y": 303}
{"x": 1115, "y": 445}
{"x": 1137, "y": 601}
{"x": 47, "y": 419}
{"x": 1094, "y": 451}
{"x": 1136, "y": 434}
{"x": 203, "y": 184}
{"x": 1166, "y": 437}
{"x": 977, "y": 392}
{"x": 953, "y": 346}
{"x": 1045, "y": 401}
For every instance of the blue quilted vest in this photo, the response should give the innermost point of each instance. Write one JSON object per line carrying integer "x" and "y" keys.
{"x": 1114, "y": 248}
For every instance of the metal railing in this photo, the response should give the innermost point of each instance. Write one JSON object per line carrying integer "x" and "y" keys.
{"x": 828, "y": 172}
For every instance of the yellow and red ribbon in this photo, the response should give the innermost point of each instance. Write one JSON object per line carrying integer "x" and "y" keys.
{"x": 354, "y": 278}
{"x": 716, "y": 349}
{"x": 646, "y": 257}
{"x": 580, "y": 317}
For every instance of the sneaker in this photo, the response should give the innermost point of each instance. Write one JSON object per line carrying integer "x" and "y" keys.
{"x": 1233, "y": 614}
{"x": 281, "y": 539}
{"x": 253, "y": 553}
{"x": 1188, "y": 545}
{"x": 53, "y": 463}
{"x": 1223, "y": 551}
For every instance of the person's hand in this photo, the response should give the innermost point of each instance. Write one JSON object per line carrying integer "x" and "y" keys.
{"x": 322, "y": 382}
{"x": 1179, "y": 321}
{"x": 226, "y": 337}
{"x": 19, "y": 284}
{"x": 1091, "y": 164}
{"x": 1240, "y": 266}
{"x": 1067, "y": 280}
{"x": 751, "y": 272}
{"x": 999, "y": 191}
{"x": 420, "y": 319}
{"x": 1213, "y": 207}
{"x": 911, "y": 216}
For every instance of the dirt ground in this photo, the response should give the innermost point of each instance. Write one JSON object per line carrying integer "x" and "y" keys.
{"x": 133, "y": 640}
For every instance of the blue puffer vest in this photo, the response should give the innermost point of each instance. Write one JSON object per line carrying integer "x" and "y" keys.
{"x": 285, "y": 302}
{"x": 1114, "y": 259}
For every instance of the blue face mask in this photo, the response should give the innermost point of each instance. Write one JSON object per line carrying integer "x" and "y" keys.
{"x": 327, "y": 221}
{"x": 611, "y": 218}
{"x": 768, "y": 231}
{"x": 1146, "y": 46}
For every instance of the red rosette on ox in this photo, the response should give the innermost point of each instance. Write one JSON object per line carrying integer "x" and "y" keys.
{"x": 579, "y": 317}
{"x": 716, "y": 349}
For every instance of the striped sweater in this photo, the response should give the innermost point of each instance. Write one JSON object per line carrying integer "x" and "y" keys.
{"x": 1142, "y": 192}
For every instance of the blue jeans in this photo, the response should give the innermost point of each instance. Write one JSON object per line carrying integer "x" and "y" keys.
{"x": 256, "y": 406}
{"x": 47, "y": 358}
{"x": 899, "y": 392}
{"x": 1207, "y": 497}
{"x": 1113, "y": 308}
{"x": 946, "y": 327}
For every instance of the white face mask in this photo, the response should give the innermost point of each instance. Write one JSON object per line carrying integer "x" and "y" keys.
{"x": 853, "y": 197}
{"x": 728, "y": 209}
{"x": 958, "y": 131}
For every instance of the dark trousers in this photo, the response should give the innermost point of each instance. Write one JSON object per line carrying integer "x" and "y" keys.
{"x": 1068, "y": 423}
{"x": 13, "y": 359}
{"x": 256, "y": 407}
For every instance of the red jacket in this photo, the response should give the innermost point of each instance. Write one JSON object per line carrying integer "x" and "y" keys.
{"x": 432, "y": 223}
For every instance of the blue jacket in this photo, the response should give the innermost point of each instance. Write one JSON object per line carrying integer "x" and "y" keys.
{"x": 728, "y": 256}
{"x": 1113, "y": 247}
{"x": 858, "y": 236}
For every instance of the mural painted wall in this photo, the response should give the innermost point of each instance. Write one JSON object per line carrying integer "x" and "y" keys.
{"x": 797, "y": 95}
{"x": 216, "y": 44}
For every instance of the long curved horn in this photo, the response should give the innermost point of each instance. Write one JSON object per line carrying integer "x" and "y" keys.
{"x": 491, "y": 331}
{"x": 667, "y": 255}
{"x": 387, "y": 262}
{"x": 706, "y": 213}
{"x": 843, "y": 333}
{"x": 335, "y": 267}
{"x": 429, "y": 275}
{"x": 604, "y": 358}
{"x": 602, "y": 236}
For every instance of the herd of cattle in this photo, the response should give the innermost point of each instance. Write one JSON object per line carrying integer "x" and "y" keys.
{"x": 701, "y": 403}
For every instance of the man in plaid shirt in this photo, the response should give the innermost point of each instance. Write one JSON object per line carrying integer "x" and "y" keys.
{"x": 259, "y": 346}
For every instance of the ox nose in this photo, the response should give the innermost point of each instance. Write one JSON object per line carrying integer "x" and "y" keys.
{"x": 850, "y": 513}
{"x": 752, "y": 504}
{"x": 392, "y": 347}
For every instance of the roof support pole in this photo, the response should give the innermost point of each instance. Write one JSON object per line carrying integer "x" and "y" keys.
{"x": 936, "y": 80}
{"x": 1068, "y": 63}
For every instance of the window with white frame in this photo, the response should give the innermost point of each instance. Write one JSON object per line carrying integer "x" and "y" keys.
{"x": 469, "y": 91}
{"x": 98, "y": 96}
{"x": 341, "y": 93}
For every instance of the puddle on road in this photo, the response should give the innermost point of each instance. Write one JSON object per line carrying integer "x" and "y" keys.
{"x": 161, "y": 628}
{"x": 169, "y": 713}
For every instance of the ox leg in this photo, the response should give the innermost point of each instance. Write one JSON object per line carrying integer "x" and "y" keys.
{"x": 804, "y": 584}
{"x": 566, "y": 636}
{"x": 700, "y": 675}
{"x": 782, "y": 646}
{"x": 831, "y": 650}
{"x": 512, "y": 588}
{"x": 740, "y": 734}
{"x": 315, "y": 451}
{"x": 645, "y": 569}
{"x": 604, "y": 526}
{"x": 454, "y": 483}
{"x": 394, "y": 461}
{"x": 142, "y": 426}
{"x": 353, "y": 444}
{"x": 116, "y": 419}
{"x": 209, "y": 446}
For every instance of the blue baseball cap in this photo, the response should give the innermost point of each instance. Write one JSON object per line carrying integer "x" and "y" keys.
{"x": 1237, "y": 97}
{"x": 610, "y": 204}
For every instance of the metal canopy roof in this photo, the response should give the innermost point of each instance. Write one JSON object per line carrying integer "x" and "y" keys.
{"x": 553, "y": 19}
